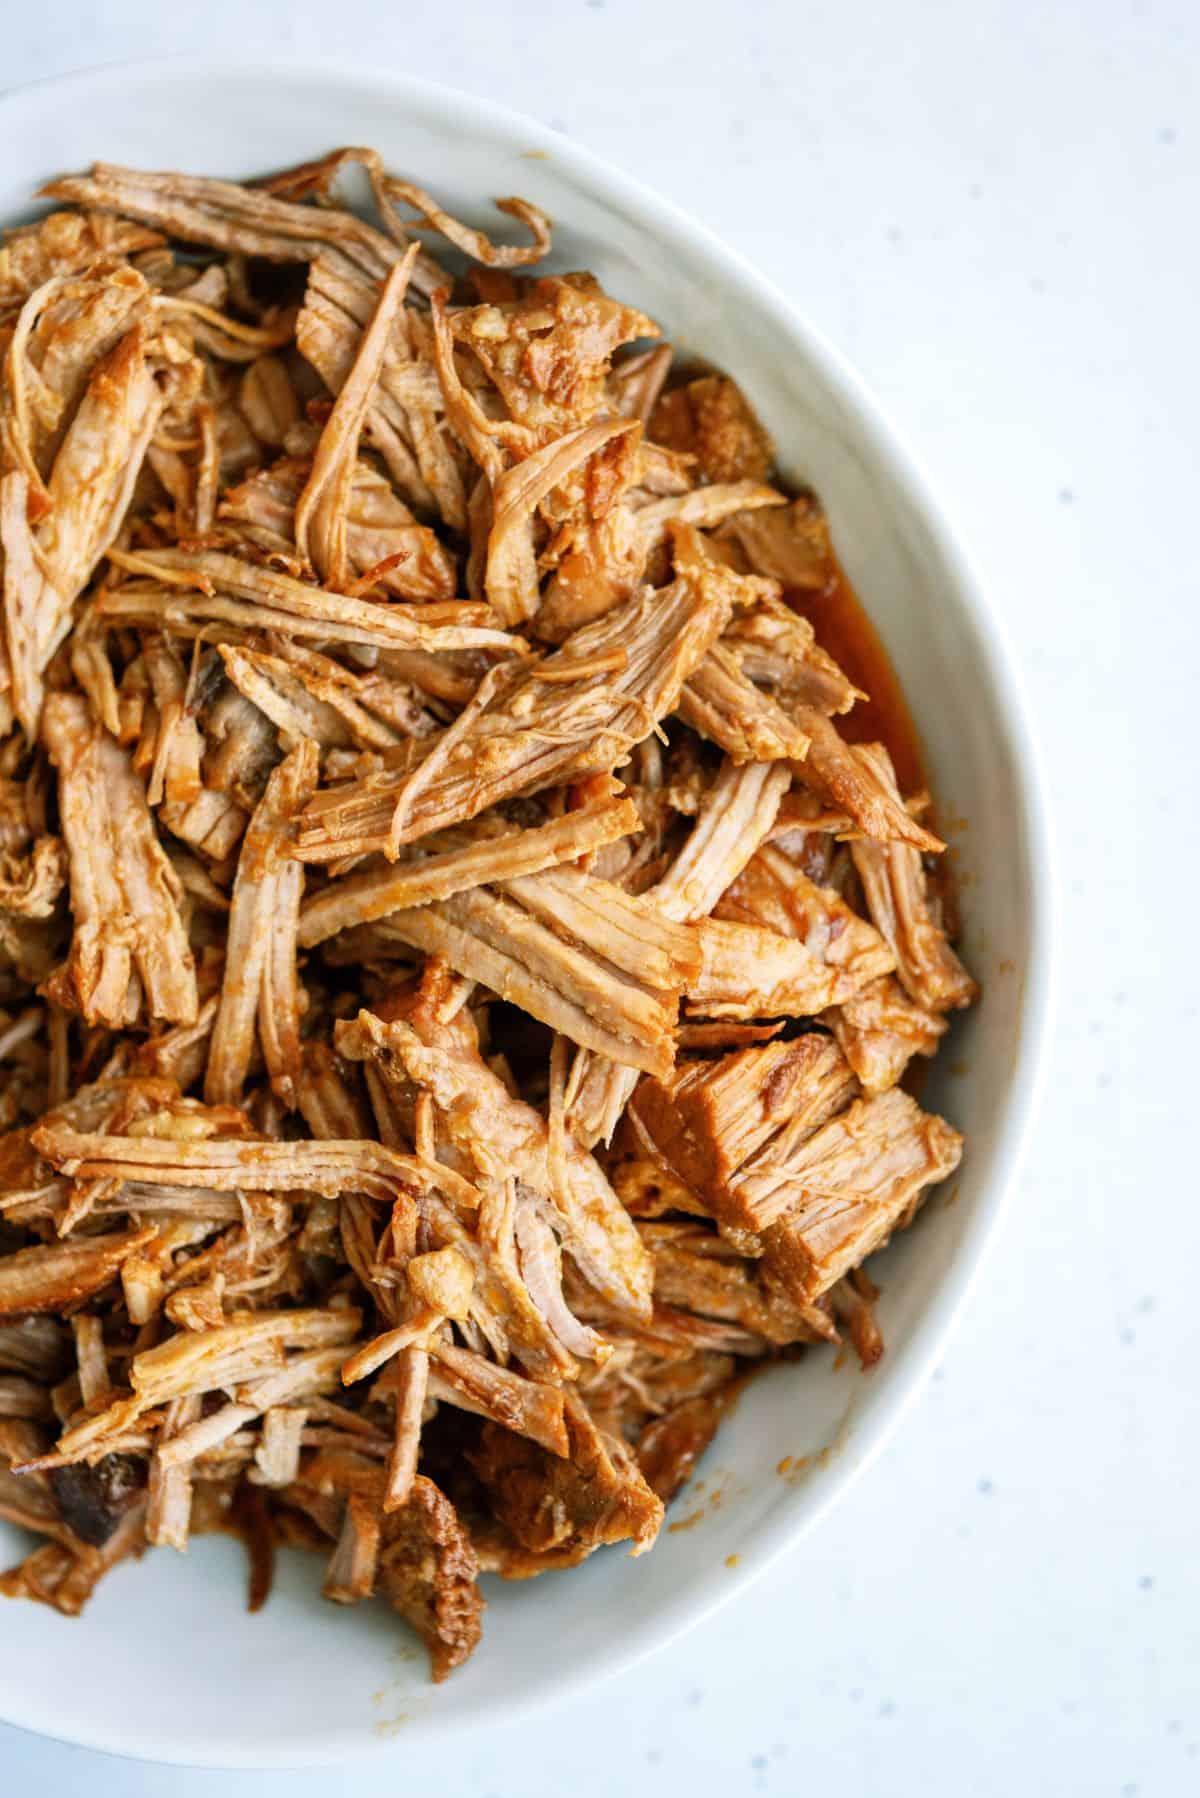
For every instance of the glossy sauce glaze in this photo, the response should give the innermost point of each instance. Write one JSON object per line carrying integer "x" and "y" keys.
{"x": 844, "y": 629}
{"x": 846, "y": 632}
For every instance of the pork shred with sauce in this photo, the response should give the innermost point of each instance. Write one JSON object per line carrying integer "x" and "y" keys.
{"x": 457, "y": 977}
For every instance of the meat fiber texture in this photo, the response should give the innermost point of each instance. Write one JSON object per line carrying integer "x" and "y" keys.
{"x": 455, "y": 975}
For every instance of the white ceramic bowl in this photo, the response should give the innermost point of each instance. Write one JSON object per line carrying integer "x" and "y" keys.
{"x": 164, "y": 1664}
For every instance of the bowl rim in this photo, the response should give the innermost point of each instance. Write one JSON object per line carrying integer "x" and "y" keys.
{"x": 910, "y": 1364}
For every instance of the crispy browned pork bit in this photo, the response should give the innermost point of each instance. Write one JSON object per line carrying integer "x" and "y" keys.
{"x": 458, "y": 953}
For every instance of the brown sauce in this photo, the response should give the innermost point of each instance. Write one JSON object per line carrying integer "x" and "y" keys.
{"x": 844, "y": 629}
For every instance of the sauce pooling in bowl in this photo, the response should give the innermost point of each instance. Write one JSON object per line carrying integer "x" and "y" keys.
{"x": 844, "y": 629}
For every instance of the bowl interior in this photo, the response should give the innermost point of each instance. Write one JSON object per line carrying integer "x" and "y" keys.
{"x": 305, "y": 1680}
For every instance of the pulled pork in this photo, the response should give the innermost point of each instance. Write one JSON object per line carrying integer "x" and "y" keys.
{"x": 456, "y": 970}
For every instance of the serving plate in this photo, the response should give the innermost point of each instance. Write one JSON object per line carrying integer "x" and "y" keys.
{"x": 164, "y": 1664}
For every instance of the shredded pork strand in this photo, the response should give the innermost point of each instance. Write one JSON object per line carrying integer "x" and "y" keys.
{"x": 129, "y": 954}
{"x": 458, "y": 953}
{"x": 580, "y": 712}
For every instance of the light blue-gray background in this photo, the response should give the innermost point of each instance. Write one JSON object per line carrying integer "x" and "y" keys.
{"x": 992, "y": 208}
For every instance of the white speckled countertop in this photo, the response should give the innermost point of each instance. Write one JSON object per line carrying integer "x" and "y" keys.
{"x": 992, "y": 209}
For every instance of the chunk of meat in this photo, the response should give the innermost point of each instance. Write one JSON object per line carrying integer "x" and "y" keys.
{"x": 62, "y": 244}
{"x": 588, "y": 996}
{"x": 228, "y": 216}
{"x": 897, "y": 893}
{"x": 528, "y": 941}
{"x": 428, "y": 1572}
{"x": 637, "y": 380}
{"x": 710, "y": 1118}
{"x": 735, "y": 817}
{"x": 477, "y": 856}
{"x": 726, "y": 707}
{"x": 405, "y": 420}
{"x": 579, "y": 711}
{"x": 86, "y": 497}
{"x": 511, "y": 576}
{"x": 775, "y": 898}
{"x": 669, "y": 1446}
{"x": 527, "y": 1407}
{"x": 777, "y": 651}
{"x": 880, "y": 1029}
{"x": 747, "y": 971}
{"x": 285, "y": 697}
{"x": 53, "y": 1276}
{"x": 549, "y": 351}
{"x": 833, "y": 771}
{"x": 64, "y": 333}
{"x": 333, "y": 1168}
{"x": 710, "y": 419}
{"x": 822, "y": 1205}
{"x": 351, "y": 1574}
{"x": 321, "y": 520}
{"x": 260, "y": 985}
{"x": 597, "y": 551}
{"x": 466, "y": 238}
{"x": 700, "y": 509}
{"x": 130, "y": 956}
{"x": 306, "y": 694}
{"x": 571, "y": 1505}
{"x": 503, "y": 1137}
{"x": 94, "y": 471}
{"x": 791, "y": 544}
{"x": 30, "y": 886}
{"x": 92, "y": 1501}
{"x": 192, "y": 590}
{"x": 197, "y": 1362}
{"x": 384, "y": 540}
{"x": 696, "y": 1270}
{"x": 763, "y": 1138}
